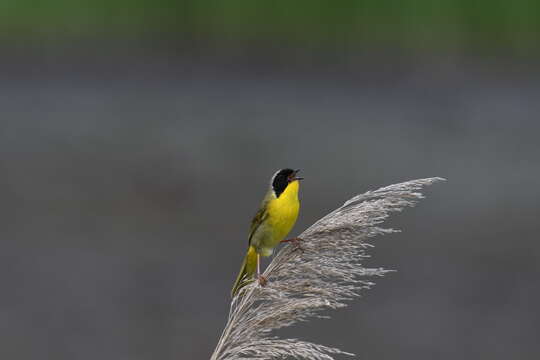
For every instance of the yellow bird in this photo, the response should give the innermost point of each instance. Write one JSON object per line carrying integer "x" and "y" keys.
{"x": 271, "y": 224}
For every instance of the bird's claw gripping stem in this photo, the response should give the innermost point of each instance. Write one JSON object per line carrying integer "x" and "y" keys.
{"x": 297, "y": 243}
{"x": 262, "y": 280}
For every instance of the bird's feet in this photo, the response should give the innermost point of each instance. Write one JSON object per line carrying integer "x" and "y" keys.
{"x": 262, "y": 280}
{"x": 296, "y": 241}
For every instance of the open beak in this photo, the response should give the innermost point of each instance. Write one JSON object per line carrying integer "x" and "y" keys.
{"x": 297, "y": 177}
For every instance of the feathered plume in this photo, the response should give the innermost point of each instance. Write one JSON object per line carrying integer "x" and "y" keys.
{"x": 323, "y": 273}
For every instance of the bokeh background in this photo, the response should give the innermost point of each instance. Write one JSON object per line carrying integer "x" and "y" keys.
{"x": 137, "y": 139}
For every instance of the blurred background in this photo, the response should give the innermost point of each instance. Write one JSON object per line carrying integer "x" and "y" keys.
{"x": 137, "y": 139}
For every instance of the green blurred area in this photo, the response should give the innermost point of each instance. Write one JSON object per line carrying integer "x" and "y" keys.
{"x": 416, "y": 24}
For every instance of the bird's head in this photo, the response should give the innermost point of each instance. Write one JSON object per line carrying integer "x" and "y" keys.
{"x": 282, "y": 178}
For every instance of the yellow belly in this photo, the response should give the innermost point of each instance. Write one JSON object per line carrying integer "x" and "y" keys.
{"x": 282, "y": 215}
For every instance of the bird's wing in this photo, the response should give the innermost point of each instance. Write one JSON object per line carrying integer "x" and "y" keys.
{"x": 258, "y": 219}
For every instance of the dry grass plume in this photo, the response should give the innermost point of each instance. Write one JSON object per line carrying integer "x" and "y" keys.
{"x": 324, "y": 274}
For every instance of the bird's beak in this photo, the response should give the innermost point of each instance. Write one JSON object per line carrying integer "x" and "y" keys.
{"x": 297, "y": 177}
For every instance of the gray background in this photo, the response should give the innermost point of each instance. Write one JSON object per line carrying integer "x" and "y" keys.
{"x": 129, "y": 176}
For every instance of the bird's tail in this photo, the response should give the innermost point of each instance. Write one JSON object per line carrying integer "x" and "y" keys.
{"x": 249, "y": 265}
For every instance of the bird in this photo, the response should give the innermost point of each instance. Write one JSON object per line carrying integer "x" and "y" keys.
{"x": 270, "y": 225}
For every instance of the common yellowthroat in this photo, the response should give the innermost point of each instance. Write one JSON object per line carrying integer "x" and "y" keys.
{"x": 275, "y": 218}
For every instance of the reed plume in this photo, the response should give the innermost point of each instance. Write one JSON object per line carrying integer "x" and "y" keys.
{"x": 323, "y": 273}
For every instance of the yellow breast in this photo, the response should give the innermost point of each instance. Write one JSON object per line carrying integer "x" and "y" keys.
{"x": 283, "y": 212}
